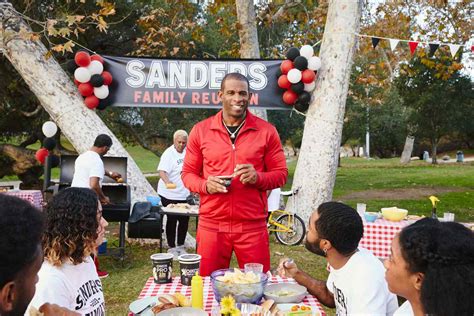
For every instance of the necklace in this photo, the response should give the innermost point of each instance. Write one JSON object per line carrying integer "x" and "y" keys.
{"x": 233, "y": 134}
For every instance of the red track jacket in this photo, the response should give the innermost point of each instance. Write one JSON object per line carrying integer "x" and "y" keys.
{"x": 210, "y": 152}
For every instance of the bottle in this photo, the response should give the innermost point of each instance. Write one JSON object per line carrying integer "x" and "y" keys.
{"x": 197, "y": 287}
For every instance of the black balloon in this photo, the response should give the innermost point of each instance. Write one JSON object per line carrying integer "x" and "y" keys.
{"x": 97, "y": 80}
{"x": 71, "y": 66}
{"x": 298, "y": 87}
{"x": 278, "y": 73}
{"x": 292, "y": 53}
{"x": 49, "y": 143}
{"x": 301, "y": 63}
{"x": 54, "y": 161}
{"x": 301, "y": 107}
{"x": 304, "y": 97}
{"x": 104, "y": 103}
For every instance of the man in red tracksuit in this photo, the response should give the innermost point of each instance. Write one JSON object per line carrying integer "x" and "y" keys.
{"x": 233, "y": 143}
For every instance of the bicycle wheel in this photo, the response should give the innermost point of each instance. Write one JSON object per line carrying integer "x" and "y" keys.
{"x": 295, "y": 235}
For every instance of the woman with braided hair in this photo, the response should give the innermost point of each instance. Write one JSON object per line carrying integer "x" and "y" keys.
{"x": 432, "y": 266}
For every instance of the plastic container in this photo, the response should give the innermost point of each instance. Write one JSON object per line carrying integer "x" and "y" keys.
{"x": 154, "y": 200}
{"x": 197, "y": 288}
{"x": 370, "y": 217}
{"x": 103, "y": 247}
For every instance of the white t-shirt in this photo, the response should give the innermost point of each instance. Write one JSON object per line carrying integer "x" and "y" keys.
{"x": 172, "y": 162}
{"x": 359, "y": 287}
{"x": 87, "y": 165}
{"x": 274, "y": 200}
{"x": 404, "y": 310}
{"x": 76, "y": 287}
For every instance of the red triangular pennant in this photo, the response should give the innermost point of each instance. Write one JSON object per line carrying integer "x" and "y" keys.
{"x": 413, "y": 46}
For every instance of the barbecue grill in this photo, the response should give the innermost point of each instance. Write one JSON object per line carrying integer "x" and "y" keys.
{"x": 119, "y": 193}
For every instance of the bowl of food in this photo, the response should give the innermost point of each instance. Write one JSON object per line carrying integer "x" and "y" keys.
{"x": 285, "y": 292}
{"x": 244, "y": 287}
{"x": 394, "y": 214}
{"x": 371, "y": 216}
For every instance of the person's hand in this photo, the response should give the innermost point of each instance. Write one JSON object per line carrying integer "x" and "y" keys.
{"x": 55, "y": 310}
{"x": 215, "y": 185}
{"x": 105, "y": 200}
{"x": 287, "y": 268}
{"x": 246, "y": 173}
{"x": 114, "y": 175}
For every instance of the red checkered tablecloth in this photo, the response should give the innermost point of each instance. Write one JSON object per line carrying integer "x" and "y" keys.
{"x": 35, "y": 197}
{"x": 153, "y": 289}
{"x": 379, "y": 234}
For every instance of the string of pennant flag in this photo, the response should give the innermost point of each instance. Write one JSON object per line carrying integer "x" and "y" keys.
{"x": 453, "y": 48}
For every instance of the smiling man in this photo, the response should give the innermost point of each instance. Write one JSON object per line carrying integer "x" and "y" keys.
{"x": 236, "y": 145}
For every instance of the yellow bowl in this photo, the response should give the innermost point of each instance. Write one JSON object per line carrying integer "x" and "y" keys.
{"x": 394, "y": 214}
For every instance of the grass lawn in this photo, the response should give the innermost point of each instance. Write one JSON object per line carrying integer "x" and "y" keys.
{"x": 358, "y": 180}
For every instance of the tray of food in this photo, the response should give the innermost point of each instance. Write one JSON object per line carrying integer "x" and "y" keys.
{"x": 181, "y": 208}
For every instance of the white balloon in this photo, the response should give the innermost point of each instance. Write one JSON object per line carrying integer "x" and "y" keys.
{"x": 314, "y": 63}
{"x": 294, "y": 75}
{"x": 95, "y": 67}
{"x": 49, "y": 129}
{"x": 101, "y": 92}
{"x": 82, "y": 74}
{"x": 307, "y": 51}
{"x": 309, "y": 86}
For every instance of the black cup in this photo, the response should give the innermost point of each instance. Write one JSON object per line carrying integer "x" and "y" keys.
{"x": 162, "y": 267}
{"x": 227, "y": 180}
{"x": 188, "y": 266}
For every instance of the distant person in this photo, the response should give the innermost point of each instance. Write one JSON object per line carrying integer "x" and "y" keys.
{"x": 89, "y": 168}
{"x": 89, "y": 171}
{"x": 356, "y": 284}
{"x": 247, "y": 150}
{"x": 432, "y": 266}
{"x": 171, "y": 190}
{"x": 74, "y": 229}
{"x": 20, "y": 245}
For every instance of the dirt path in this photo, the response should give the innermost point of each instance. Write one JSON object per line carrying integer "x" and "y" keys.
{"x": 398, "y": 194}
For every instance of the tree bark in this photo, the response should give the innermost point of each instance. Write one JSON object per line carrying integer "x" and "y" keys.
{"x": 315, "y": 172}
{"x": 434, "y": 151}
{"x": 58, "y": 95}
{"x": 248, "y": 36}
{"x": 407, "y": 150}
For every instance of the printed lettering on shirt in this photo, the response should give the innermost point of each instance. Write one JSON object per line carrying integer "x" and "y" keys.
{"x": 85, "y": 292}
{"x": 340, "y": 300}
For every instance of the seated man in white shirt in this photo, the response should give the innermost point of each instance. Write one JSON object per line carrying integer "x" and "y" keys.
{"x": 356, "y": 283}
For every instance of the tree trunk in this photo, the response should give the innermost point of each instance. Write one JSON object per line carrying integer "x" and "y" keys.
{"x": 20, "y": 161}
{"x": 315, "y": 172}
{"x": 59, "y": 97}
{"x": 249, "y": 38}
{"x": 434, "y": 150}
{"x": 407, "y": 150}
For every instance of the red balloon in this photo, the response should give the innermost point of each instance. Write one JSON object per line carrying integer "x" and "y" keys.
{"x": 308, "y": 76}
{"x": 290, "y": 97}
{"x": 41, "y": 155}
{"x": 77, "y": 83}
{"x": 98, "y": 58}
{"x": 107, "y": 77}
{"x": 283, "y": 82}
{"x": 86, "y": 89}
{"x": 91, "y": 102}
{"x": 286, "y": 66}
{"x": 82, "y": 59}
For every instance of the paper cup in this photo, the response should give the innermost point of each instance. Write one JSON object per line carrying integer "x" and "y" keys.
{"x": 162, "y": 267}
{"x": 253, "y": 267}
{"x": 188, "y": 266}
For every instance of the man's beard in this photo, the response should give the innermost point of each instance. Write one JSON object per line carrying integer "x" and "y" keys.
{"x": 314, "y": 247}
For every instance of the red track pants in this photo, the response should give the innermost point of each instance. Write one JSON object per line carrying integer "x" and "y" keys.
{"x": 216, "y": 249}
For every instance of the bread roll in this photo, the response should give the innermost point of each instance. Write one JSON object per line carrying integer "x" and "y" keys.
{"x": 171, "y": 186}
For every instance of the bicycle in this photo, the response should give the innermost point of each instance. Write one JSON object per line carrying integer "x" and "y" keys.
{"x": 288, "y": 227}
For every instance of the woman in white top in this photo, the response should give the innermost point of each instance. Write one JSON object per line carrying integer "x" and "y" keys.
{"x": 74, "y": 228}
{"x": 432, "y": 266}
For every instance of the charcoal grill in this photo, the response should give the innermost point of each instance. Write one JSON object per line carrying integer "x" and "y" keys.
{"x": 119, "y": 193}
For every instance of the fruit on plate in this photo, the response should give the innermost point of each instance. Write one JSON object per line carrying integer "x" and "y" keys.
{"x": 300, "y": 310}
{"x": 183, "y": 300}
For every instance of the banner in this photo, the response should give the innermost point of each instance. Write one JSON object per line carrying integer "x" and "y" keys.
{"x": 149, "y": 82}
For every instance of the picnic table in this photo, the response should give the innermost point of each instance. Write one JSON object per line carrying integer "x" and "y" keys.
{"x": 378, "y": 236}
{"x": 210, "y": 304}
{"x": 35, "y": 197}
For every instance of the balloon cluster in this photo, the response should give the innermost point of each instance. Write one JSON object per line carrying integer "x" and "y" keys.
{"x": 91, "y": 79}
{"x": 298, "y": 74}
{"x": 49, "y": 130}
